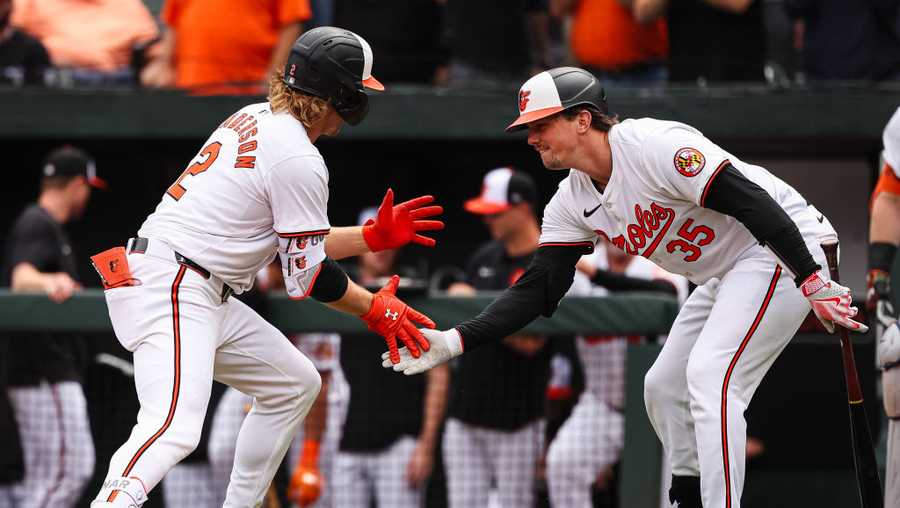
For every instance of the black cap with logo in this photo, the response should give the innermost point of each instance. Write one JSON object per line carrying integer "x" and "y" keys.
{"x": 71, "y": 161}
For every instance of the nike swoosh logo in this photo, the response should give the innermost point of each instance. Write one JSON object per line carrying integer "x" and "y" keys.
{"x": 820, "y": 218}
{"x": 588, "y": 214}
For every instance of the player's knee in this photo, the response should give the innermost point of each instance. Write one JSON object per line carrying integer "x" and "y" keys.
{"x": 310, "y": 384}
{"x": 700, "y": 378}
{"x": 658, "y": 388}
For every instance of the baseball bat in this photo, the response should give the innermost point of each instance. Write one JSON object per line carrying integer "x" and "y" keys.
{"x": 867, "y": 479}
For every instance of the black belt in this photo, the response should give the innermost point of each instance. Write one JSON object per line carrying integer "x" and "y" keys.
{"x": 139, "y": 246}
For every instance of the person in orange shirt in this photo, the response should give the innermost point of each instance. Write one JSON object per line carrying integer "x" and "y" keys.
{"x": 95, "y": 38}
{"x": 216, "y": 47}
{"x": 607, "y": 40}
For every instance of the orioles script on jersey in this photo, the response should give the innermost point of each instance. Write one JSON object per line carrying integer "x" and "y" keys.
{"x": 657, "y": 219}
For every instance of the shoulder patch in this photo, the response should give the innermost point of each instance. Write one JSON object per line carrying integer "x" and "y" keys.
{"x": 689, "y": 161}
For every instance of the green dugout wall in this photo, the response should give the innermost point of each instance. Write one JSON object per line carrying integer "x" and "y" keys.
{"x": 799, "y": 412}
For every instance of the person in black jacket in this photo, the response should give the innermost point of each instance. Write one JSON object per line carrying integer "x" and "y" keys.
{"x": 43, "y": 377}
{"x": 495, "y": 429}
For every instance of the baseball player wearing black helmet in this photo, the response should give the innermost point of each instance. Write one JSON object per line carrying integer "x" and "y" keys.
{"x": 168, "y": 290}
{"x": 335, "y": 65}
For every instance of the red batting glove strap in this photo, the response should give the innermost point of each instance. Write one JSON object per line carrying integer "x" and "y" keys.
{"x": 396, "y": 226}
{"x": 812, "y": 284}
{"x": 309, "y": 457}
{"x": 393, "y": 319}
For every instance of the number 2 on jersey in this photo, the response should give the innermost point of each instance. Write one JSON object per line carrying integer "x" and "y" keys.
{"x": 692, "y": 249}
{"x": 208, "y": 155}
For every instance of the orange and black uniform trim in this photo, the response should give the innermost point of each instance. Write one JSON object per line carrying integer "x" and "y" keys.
{"x": 887, "y": 182}
{"x": 731, "y": 366}
{"x": 176, "y": 384}
{"x": 709, "y": 182}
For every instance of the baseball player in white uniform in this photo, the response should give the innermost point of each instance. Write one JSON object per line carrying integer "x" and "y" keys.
{"x": 590, "y": 441}
{"x": 258, "y": 187}
{"x": 884, "y": 235}
{"x": 662, "y": 190}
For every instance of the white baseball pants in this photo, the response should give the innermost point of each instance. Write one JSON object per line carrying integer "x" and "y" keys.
{"x": 589, "y": 441}
{"x": 56, "y": 442}
{"x": 182, "y": 336}
{"x": 724, "y": 340}
{"x": 358, "y": 475}
{"x": 476, "y": 456}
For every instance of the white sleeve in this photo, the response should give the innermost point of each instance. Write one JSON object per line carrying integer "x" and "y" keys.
{"x": 683, "y": 163}
{"x": 560, "y": 225}
{"x": 298, "y": 193}
{"x": 891, "y": 139}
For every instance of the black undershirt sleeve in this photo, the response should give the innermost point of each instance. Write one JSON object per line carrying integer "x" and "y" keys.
{"x": 332, "y": 282}
{"x": 620, "y": 282}
{"x": 537, "y": 292}
{"x": 731, "y": 193}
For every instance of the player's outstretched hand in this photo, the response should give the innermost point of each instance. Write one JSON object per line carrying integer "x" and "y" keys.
{"x": 831, "y": 303}
{"x": 445, "y": 344}
{"x": 393, "y": 319}
{"x": 396, "y": 225}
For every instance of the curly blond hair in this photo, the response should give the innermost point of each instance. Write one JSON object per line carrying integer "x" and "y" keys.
{"x": 307, "y": 109}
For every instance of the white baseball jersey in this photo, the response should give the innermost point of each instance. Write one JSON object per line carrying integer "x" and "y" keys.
{"x": 257, "y": 184}
{"x": 653, "y": 203}
{"x": 891, "y": 138}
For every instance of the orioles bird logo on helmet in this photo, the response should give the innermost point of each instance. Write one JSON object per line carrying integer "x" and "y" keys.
{"x": 523, "y": 99}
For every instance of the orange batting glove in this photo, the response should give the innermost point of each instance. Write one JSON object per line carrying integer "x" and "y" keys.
{"x": 393, "y": 319}
{"x": 396, "y": 226}
{"x": 306, "y": 482}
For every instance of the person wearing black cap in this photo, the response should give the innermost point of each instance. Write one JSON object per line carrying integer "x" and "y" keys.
{"x": 495, "y": 429}
{"x": 42, "y": 372}
{"x": 660, "y": 189}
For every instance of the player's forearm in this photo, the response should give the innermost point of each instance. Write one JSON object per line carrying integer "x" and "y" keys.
{"x": 345, "y": 242}
{"x": 286, "y": 37}
{"x": 885, "y": 225}
{"x": 621, "y": 282}
{"x": 884, "y": 234}
{"x": 436, "y": 390}
{"x": 25, "y": 277}
{"x": 356, "y": 300}
{"x": 314, "y": 424}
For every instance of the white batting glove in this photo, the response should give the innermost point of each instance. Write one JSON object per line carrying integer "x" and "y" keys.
{"x": 445, "y": 344}
{"x": 889, "y": 347}
{"x": 831, "y": 303}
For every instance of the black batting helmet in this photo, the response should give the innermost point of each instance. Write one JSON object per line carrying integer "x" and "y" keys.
{"x": 555, "y": 90}
{"x": 336, "y": 65}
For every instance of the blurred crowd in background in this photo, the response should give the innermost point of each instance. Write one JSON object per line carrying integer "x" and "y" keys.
{"x": 232, "y": 46}
{"x": 524, "y": 416}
